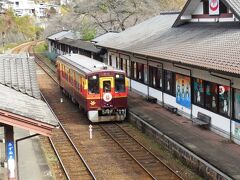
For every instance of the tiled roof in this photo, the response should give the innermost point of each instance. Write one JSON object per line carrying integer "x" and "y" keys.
{"x": 85, "y": 45}
{"x": 26, "y": 106}
{"x": 104, "y": 37}
{"x": 19, "y": 89}
{"x": 211, "y": 46}
{"x": 141, "y": 31}
{"x": 19, "y": 72}
{"x": 235, "y": 6}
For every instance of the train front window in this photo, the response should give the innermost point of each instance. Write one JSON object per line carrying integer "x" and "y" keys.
{"x": 106, "y": 86}
{"x": 119, "y": 83}
{"x": 93, "y": 84}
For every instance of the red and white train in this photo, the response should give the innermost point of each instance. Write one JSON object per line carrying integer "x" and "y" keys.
{"x": 99, "y": 89}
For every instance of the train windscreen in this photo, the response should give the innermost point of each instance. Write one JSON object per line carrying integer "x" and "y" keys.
{"x": 93, "y": 84}
{"x": 119, "y": 83}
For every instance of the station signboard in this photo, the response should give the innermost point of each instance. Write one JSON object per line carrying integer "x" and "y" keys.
{"x": 213, "y": 7}
{"x": 11, "y": 159}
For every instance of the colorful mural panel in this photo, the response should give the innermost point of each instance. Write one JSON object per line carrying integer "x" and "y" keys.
{"x": 183, "y": 90}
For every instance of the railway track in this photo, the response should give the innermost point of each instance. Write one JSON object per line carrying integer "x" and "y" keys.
{"x": 144, "y": 157}
{"x": 72, "y": 162}
{"x": 123, "y": 145}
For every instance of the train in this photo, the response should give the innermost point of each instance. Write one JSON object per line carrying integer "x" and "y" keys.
{"x": 100, "y": 90}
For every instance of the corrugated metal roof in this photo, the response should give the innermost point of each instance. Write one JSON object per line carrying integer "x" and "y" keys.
{"x": 19, "y": 72}
{"x": 85, "y": 45}
{"x": 65, "y": 34}
{"x": 26, "y": 106}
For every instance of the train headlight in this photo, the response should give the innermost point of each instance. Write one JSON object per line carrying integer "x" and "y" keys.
{"x": 117, "y": 75}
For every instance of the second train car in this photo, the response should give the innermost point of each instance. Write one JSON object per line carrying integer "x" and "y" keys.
{"x": 99, "y": 89}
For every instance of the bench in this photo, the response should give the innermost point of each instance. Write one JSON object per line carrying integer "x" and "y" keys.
{"x": 202, "y": 119}
{"x": 171, "y": 108}
{"x": 151, "y": 99}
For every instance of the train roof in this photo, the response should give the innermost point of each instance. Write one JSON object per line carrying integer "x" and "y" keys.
{"x": 86, "y": 64}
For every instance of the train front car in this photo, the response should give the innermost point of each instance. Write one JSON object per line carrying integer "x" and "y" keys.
{"x": 107, "y": 95}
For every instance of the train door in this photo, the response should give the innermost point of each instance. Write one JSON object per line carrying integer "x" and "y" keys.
{"x": 107, "y": 91}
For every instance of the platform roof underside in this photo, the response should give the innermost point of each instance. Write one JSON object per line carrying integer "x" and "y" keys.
{"x": 20, "y": 103}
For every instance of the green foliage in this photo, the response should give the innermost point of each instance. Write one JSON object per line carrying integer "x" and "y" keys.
{"x": 103, "y": 7}
{"x": 41, "y": 48}
{"x": 9, "y": 23}
{"x": 88, "y": 32}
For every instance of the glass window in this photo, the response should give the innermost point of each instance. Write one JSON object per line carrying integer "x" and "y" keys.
{"x": 152, "y": 76}
{"x": 119, "y": 83}
{"x": 117, "y": 62}
{"x": 159, "y": 78}
{"x": 140, "y": 72}
{"x": 93, "y": 84}
{"x": 121, "y": 66}
{"x": 168, "y": 84}
{"x": 145, "y": 75}
{"x": 71, "y": 76}
{"x": 237, "y": 104}
{"x": 128, "y": 67}
{"x": 77, "y": 81}
{"x": 198, "y": 91}
{"x": 134, "y": 70}
{"x": 155, "y": 77}
{"x": 211, "y": 96}
{"x": 106, "y": 86}
{"x": 224, "y": 99}
{"x": 110, "y": 60}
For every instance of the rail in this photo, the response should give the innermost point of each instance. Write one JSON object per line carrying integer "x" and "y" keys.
{"x": 185, "y": 149}
{"x": 141, "y": 149}
{"x": 70, "y": 140}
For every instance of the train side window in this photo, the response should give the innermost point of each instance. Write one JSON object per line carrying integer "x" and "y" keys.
{"x": 119, "y": 83}
{"x": 93, "y": 84}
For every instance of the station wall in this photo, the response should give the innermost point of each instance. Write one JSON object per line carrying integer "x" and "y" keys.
{"x": 220, "y": 124}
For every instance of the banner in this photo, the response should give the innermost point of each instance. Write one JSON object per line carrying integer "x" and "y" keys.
{"x": 183, "y": 90}
{"x": 213, "y": 7}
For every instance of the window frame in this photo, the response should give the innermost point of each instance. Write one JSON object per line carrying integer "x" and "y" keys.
{"x": 172, "y": 90}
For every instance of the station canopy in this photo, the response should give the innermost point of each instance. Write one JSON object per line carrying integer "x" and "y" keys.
{"x": 20, "y": 100}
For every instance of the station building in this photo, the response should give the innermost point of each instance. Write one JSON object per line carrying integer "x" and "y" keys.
{"x": 65, "y": 42}
{"x": 189, "y": 60}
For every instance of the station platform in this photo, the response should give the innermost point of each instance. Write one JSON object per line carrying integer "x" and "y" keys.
{"x": 213, "y": 148}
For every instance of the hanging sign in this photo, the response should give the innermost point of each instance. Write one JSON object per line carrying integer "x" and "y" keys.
{"x": 213, "y": 7}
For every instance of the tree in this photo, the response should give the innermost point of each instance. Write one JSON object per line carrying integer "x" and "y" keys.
{"x": 109, "y": 15}
{"x": 114, "y": 15}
